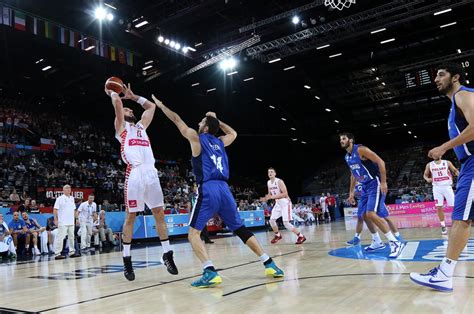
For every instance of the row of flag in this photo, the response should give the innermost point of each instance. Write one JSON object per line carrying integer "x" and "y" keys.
{"x": 47, "y": 29}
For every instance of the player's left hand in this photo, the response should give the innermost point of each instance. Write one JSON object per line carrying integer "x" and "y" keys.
{"x": 211, "y": 114}
{"x": 437, "y": 152}
{"x": 128, "y": 94}
{"x": 384, "y": 187}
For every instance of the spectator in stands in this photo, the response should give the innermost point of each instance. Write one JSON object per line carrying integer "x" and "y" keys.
{"x": 175, "y": 209}
{"x": 7, "y": 248}
{"x": 36, "y": 231}
{"x": 34, "y": 209}
{"x": 18, "y": 230}
{"x": 14, "y": 197}
{"x": 25, "y": 207}
{"x": 106, "y": 233}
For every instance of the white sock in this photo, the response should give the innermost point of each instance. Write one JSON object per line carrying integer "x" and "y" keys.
{"x": 36, "y": 247}
{"x": 50, "y": 248}
{"x": 126, "y": 250}
{"x": 357, "y": 235}
{"x": 299, "y": 234}
{"x": 27, "y": 246}
{"x": 166, "y": 246}
{"x": 391, "y": 237}
{"x": 443, "y": 223}
{"x": 447, "y": 266}
{"x": 397, "y": 234}
{"x": 264, "y": 257}
{"x": 376, "y": 237}
{"x": 207, "y": 264}
{"x": 277, "y": 234}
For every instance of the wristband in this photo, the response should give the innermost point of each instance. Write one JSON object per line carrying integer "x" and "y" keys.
{"x": 141, "y": 100}
{"x": 112, "y": 94}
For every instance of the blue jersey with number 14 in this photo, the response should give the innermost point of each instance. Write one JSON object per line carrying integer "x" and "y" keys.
{"x": 212, "y": 164}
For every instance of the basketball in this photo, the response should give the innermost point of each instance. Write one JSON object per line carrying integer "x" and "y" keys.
{"x": 115, "y": 84}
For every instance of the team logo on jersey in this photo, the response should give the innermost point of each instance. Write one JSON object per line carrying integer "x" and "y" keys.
{"x": 414, "y": 251}
{"x": 132, "y": 203}
{"x": 138, "y": 142}
{"x": 214, "y": 146}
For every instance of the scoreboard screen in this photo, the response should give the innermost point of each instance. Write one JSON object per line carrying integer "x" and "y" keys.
{"x": 426, "y": 76}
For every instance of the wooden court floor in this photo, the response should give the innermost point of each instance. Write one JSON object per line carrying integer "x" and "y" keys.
{"x": 315, "y": 281}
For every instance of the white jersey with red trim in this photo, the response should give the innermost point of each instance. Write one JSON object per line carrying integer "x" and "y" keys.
{"x": 135, "y": 145}
{"x": 274, "y": 188}
{"x": 440, "y": 173}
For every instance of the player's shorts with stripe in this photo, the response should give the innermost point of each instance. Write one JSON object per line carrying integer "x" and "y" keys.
{"x": 463, "y": 208}
{"x": 372, "y": 199}
{"x": 142, "y": 186}
{"x": 282, "y": 209}
{"x": 215, "y": 197}
{"x": 443, "y": 192}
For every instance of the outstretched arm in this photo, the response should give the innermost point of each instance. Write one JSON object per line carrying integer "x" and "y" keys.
{"x": 118, "y": 107}
{"x": 149, "y": 107}
{"x": 230, "y": 133}
{"x": 188, "y": 133}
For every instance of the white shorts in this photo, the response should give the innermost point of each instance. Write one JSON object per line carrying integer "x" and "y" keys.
{"x": 283, "y": 209}
{"x": 142, "y": 186}
{"x": 443, "y": 192}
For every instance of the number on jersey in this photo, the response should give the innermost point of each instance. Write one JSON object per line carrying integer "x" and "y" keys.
{"x": 218, "y": 162}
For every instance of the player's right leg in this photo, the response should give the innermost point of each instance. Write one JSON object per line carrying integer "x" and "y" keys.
{"x": 286, "y": 216}
{"x": 204, "y": 209}
{"x": 359, "y": 228}
{"x": 438, "y": 195}
{"x": 276, "y": 213}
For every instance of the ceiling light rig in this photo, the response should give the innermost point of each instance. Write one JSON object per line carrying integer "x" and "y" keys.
{"x": 174, "y": 45}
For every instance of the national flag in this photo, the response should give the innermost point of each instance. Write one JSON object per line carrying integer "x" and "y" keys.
{"x": 130, "y": 58}
{"x": 30, "y": 24}
{"x": 82, "y": 40}
{"x": 113, "y": 57}
{"x": 35, "y": 26}
{"x": 47, "y": 30}
{"x": 121, "y": 56}
{"x": 41, "y": 27}
{"x": 7, "y": 16}
{"x": 71, "y": 38}
{"x": 97, "y": 47}
{"x": 47, "y": 143}
{"x": 20, "y": 21}
{"x": 63, "y": 35}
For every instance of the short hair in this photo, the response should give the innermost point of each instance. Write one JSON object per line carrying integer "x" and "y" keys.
{"x": 92, "y": 194}
{"x": 453, "y": 69}
{"x": 348, "y": 135}
{"x": 66, "y": 186}
{"x": 271, "y": 168}
{"x": 213, "y": 125}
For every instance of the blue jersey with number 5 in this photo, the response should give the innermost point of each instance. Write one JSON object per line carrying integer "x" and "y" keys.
{"x": 212, "y": 164}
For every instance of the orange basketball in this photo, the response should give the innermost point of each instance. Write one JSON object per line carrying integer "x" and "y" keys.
{"x": 115, "y": 84}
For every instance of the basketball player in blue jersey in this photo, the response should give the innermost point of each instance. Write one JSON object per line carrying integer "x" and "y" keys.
{"x": 211, "y": 168}
{"x": 461, "y": 133}
{"x": 368, "y": 169}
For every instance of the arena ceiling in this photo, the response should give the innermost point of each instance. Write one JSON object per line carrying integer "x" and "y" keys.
{"x": 380, "y": 87}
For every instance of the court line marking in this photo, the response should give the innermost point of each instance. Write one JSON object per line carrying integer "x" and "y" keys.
{"x": 159, "y": 284}
{"x": 323, "y": 276}
{"x": 9, "y": 310}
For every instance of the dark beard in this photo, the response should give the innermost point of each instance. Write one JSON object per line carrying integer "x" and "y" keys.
{"x": 130, "y": 119}
{"x": 447, "y": 89}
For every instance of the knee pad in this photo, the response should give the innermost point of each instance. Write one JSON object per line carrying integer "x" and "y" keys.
{"x": 244, "y": 234}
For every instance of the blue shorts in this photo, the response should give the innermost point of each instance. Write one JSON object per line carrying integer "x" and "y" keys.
{"x": 372, "y": 199}
{"x": 464, "y": 192}
{"x": 214, "y": 197}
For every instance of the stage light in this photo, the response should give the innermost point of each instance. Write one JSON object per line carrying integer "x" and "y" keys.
{"x": 295, "y": 20}
{"x": 177, "y": 46}
{"x": 161, "y": 39}
{"x": 167, "y": 41}
{"x": 228, "y": 64}
{"x": 100, "y": 13}
{"x": 172, "y": 44}
{"x": 110, "y": 16}
{"x": 185, "y": 49}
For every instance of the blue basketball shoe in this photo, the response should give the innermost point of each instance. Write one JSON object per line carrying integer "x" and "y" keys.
{"x": 209, "y": 278}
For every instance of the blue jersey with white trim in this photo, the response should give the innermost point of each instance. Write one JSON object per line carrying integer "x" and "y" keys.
{"x": 363, "y": 171}
{"x": 456, "y": 124}
{"x": 212, "y": 163}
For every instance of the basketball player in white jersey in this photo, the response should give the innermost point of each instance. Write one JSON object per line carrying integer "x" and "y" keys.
{"x": 438, "y": 172}
{"x": 142, "y": 185}
{"x": 277, "y": 191}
